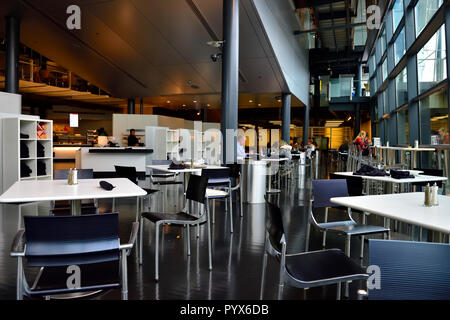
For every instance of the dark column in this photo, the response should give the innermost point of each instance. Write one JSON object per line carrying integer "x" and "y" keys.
{"x": 316, "y": 92}
{"x": 204, "y": 114}
{"x": 306, "y": 126}
{"x": 357, "y": 120}
{"x": 142, "y": 106}
{"x": 12, "y": 54}
{"x": 131, "y": 109}
{"x": 358, "y": 77}
{"x": 230, "y": 73}
{"x": 447, "y": 43}
{"x": 286, "y": 117}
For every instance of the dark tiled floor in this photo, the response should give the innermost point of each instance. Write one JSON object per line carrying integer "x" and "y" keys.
{"x": 237, "y": 257}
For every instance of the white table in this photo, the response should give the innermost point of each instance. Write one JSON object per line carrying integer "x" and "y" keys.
{"x": 404, "y": 149}
{"x": 389, "y": 179}
{"x": 405, "y": 207}
{"x": 54, "y": 190}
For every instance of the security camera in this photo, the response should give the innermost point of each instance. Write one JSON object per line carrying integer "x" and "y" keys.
{"x": 215, "y": 57}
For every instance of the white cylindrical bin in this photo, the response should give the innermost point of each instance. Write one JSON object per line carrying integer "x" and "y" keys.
{"x": 254, "y": 181}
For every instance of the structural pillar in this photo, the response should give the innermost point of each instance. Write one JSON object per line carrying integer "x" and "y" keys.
{"x": 357, "y": 119}
{"x": 12, "y": 54}
{"x": 142, "y": 106}
{"x": 131, "y": 106}
{"x": 358, "y": 77}
{"x": 286, "y": 117}
{"x": 230, "y": 78}
{"x": 306, "y": 126}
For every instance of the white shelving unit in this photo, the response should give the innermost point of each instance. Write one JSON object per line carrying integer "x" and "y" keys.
{"x": 39, "y": 133}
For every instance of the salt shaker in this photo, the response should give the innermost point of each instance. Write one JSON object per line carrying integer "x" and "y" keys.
{"x": 434, "y": 195}
{"x": 75, "y": 176}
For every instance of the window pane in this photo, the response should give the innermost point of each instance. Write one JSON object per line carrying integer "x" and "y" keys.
{"x": 385, "y": 102}
{"x": 403, "y": 127}
{"x": 399, "y": 46}
{"x": 397, "y": 13}
{"x": 383, "y": 41}
{"x": 401, "y": 90}
{"x": 431, "y": 61}
{"x": 386, "y": 130}
{"x": 424, "y": 11}
{"x": 384, "y": 69}
{"x": 434, "y": 119}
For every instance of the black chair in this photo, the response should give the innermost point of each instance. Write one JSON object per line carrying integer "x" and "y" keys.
{"x": 196, "y": 192}
{"x": 323, "y": 191}
{"x": 131, "y": 173}
{"x": 431, "y": 172}
{"x": 235, "y": 175}
{"x": 306, "y": 269}
{"x": 62, "y": 207}
{"x": 219, "y": 187}
{"x": 354, "y": 184}
{"x": 163, "y": 178}
{"x": 61, "y": 246}
{"x": 409, "y": 270}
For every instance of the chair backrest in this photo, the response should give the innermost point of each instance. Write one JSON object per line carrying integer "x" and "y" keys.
{"x": 324, "y": 190}
{"x": 217, "y": 177}
{"x": 63, "y": 174}
{"x": 431, "y": 172}
{"x": 66, "y": 240}
{"x": 196, "y": 189}
{"x": 354, "y": 184}
{"x": 235, "y": 169}
{"x": 126, "y": 172}
{"x": 410, "y": 270}
{"x": 274, "y": 225}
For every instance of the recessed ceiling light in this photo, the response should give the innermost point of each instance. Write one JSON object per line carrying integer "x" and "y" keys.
{"x": 195, "y": 101}
{"x": 250, "y": 101}
{"x": 184, "y": 105}
{"x": 208, "y": 105}
{"x": 198, "y": 113}
{"x": 168, "y": 101}
{"x": 279, "y": 100}
{"x": 259, "y": 104}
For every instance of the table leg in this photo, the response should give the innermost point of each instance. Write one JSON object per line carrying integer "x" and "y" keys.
{"x": 75, "y": 207}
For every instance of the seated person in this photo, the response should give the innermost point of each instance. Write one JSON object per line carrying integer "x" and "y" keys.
{"x": 132, "y": 139}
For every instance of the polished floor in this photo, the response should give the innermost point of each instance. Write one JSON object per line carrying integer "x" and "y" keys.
{"x": 237, "y": 257}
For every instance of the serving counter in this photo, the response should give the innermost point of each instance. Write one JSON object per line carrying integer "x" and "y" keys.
{"x": 103, "y": 160}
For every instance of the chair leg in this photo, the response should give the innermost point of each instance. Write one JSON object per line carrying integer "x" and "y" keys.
{"x": 261, "y": 293}
{"x": 324, "y": 239}
{"x": 124, "y": 276}
{"x": 308, "y": 232}
{"x": 19, "y": 284}
{"x": 188, "y": 239}
{"x": 338, "y": 293}
{"x": 156, "y": 251}
{"x": 209, "y": 235}
{"x": 231, "y": 213}
{"x": 347, "y": 252}
{"x": 213, "y": 211}
{"x": 362, "y": 237}
{"x": 141, "y": 237}
{"x": 198, "y": 230}
{"x": 240, "y": 200}
{"x": 113, "y": 205}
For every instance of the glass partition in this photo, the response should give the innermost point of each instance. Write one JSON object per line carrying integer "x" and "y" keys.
{"x": 399, "y": 46}
{"x": 401, "y": 88}
{"x": 424, "y": 11}
{"x": 431, "y": 62}
{"x": 434, "y": 119}
{"x": 403, "y": 127}
{"x": 397, "y": 13}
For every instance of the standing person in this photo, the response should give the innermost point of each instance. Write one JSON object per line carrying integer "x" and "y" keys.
{"x": 310, "y": 148}
{"x": 443, "y": 136}
{"x": 240, "y": 150}
{"x": 132, "y": 139}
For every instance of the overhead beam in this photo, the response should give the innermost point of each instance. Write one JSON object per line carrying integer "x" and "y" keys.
{"x": 339, "y": 26}
{"x": 313, "y": 3}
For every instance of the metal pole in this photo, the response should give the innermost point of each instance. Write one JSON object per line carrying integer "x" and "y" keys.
{"x": 358, "y": 91}
{"x": 142, "y": 106}
{"x": 306, "y": 126}
{"x": 286, "y": 117}
{"x": 230, "y": 75}
{"x": 357, "y": 120}
{"x": 12, "y": 54}
{"x": 131, "y": 108}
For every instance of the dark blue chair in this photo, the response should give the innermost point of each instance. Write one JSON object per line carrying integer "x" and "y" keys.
{"x": 323, "y": 191}
{"x": 219, "y": 187}
{"x": 305, "y": 269}
{"x": 410, "y": 270}
{"x": 58, "y": 245}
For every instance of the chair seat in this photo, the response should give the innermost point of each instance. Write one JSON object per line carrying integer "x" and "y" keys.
{"x": 214, "y": 193}
{"x": 150, "y": 191}
{"x": 216, "y": 182}
{"x": 97, "y": 276}
{"x": 322, "y": 265}
{"x": 173, "y": 217}
{"x": 164, "y": 183}
{"x": 352, "y": 228}
{"x": 162, "y": 175}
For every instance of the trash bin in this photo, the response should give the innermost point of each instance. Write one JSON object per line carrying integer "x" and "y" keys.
{"x": 253, "y": 181}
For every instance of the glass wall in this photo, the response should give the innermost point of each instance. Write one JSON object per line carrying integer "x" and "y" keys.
{"x": 401, "y": 88}
{"x": 423, "y": 11}
{"x": 397, "y": 13}
{"x": 434, "y": 119}
{"x": 384, "y": 69}
{"x": 403, "y": 127}
{"x": 399, "y": 46}
{"x": 431, "y": 61}
{"x": 383, "y": 43}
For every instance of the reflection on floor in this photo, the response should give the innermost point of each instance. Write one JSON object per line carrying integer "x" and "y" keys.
{"x": 237, "y": 257}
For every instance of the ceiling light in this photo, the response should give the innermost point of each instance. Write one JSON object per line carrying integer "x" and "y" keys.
{"x": 333, "y": 123}
{"x": 168, "y": 101}
{"x": 208, "y": 105}
{"x": 195, "y": 101}
{"x": 250, "y": 101}
{"x": 349, "y": 118}
{"x": 198, "y": 113}
{"x": 184, "y": 105}
{"x": 259, "y": 104}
